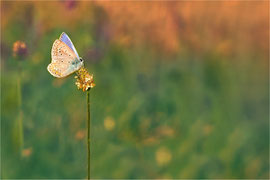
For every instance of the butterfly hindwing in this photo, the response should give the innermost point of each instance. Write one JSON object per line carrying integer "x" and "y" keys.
{"x": 58, "y": 70}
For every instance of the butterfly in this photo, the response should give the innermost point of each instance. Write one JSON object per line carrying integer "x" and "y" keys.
{"x": 65, "y": 58}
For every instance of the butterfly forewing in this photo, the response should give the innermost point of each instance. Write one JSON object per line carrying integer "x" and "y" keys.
{"x": 64, "y": 38}
{"x": 61, "y": 52}
{"x": 62, "y": 59}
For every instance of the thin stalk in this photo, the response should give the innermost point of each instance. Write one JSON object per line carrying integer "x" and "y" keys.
{"x": 88, "y": 131}
{"x": 20, "y": 115}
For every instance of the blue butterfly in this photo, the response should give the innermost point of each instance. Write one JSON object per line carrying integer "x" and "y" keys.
{"x": 65, "y": 58}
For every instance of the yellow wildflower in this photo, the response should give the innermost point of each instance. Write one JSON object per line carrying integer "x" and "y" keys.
{"x": 85, "y": 81}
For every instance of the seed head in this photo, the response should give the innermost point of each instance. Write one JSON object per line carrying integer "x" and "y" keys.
{"x": 85, "y": 81}
{"x": 19, "y": 49}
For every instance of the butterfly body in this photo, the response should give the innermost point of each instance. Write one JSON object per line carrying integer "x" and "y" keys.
{"x": 65, "y": 59}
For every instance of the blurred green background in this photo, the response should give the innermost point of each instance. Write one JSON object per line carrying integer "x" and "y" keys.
{"x": 181, "y": 90}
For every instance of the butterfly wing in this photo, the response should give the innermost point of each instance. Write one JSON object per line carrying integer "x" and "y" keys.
{"x": 64, "y": 60}
{"x": 58, "y": 70}
{"x": 61, "y": 52}
{"x": 64, "y": 38}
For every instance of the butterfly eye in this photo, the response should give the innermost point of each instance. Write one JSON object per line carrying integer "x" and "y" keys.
{"x": 81, "y": 59}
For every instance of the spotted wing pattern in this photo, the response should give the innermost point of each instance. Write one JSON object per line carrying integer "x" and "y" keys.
{"x": 64, "y": 38}
{"x": 58, "y": 70}
{"x": 62, "y": 59}
{"x": 61, "y": 52}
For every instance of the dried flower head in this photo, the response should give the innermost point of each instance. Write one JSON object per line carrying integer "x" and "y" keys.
{"x": 85, "y": 81}
{"x": 19, "y": 49}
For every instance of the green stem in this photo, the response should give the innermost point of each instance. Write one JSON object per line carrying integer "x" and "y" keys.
{"x": 20, "y": 115}
{"x": 88, "y": 131}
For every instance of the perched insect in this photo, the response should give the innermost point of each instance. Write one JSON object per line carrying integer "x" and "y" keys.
{"x": 65, "y": 59}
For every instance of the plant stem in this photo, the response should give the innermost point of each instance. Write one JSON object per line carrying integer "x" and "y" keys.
{"x": 88, "y": 131}
{"x": 20, "y": 115}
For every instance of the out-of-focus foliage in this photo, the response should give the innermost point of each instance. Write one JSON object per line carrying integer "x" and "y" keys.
{"x": 182, "y": 90}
